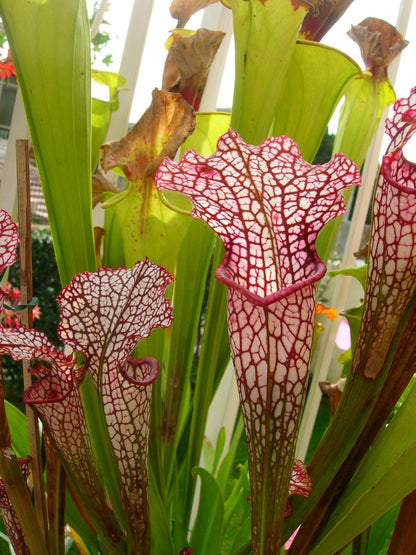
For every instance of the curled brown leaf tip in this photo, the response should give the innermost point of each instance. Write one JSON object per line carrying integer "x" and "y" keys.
{"x": 100, "y": 185}
{"x": 379, "y": 43}
{"x": 363, "y": 251}
{"x": 333, "y": 391}
{"x": 98, "y": 239}
{"x": 188, "y": 63}
{"x": 183, "y": 10}
{"x": 158, "y": 134}
{"x": 321, "y": 17}
{"x": 313, "y": 6}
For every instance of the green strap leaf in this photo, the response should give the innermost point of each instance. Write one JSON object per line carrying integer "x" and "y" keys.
{"x": 384, "y": 478}
{"x": 161, "y": 541}
{"x": 52, "y": 63}
{"x": 208, "y": 528}
{"x": 18, "y": 430}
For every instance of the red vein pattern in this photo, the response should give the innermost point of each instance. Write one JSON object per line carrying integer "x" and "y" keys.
{"x": 58, "y": 404}
{"x": 129, "y": 419}
{"x": 103, "y": 316}
{"x": 300, "y": 483}
{"x": 8, "y": 244}
{"x": 9, "y": 240}
{"x": 392, "y": 257}
{"x": 11, "y": 522}
{"x": 267, "y": 204}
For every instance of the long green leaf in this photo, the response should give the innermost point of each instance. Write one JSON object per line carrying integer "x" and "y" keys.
{"x": 49, "y": 42}
{"x": 211, "y": 359}
{"x": 161, "y": 542}
{"x": 386, "y": 475}
{"x": 18, "y": 430}
{"x": 207, "y": 531}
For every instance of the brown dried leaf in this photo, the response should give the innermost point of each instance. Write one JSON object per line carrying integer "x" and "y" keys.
{"x": 188, "y": 63}
{"x": 183, "y": 10}
{"x": 324, "y": 15}
{"x": 333, "y": 392}
{"x": 363, "y": 252}
{"x": 100, "y": 185}
{"x": 379, "y": 43}
{"x": 159, "y": 133}
{"x": 98, "y": 239}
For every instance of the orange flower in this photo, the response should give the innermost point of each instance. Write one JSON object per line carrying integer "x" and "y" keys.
{"x": 327, "y": 311}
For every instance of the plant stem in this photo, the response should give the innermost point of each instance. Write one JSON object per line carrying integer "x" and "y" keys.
{"x": 365, "y": 405}
{"x": 26, "y": 290}
{"x": 19, "y": 497}
{"x": 404, "y": 535}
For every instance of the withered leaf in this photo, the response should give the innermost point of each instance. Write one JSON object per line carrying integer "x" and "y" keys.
{"x": 379, "y": 43}
{"x": 159, "y": 133}
{"x": 322, "y": 17}
{"x": 183, "y": 10}
{"x": 332, "y": 391}
{"x": 100, "y": 185}
{"x": 188, "y": 63}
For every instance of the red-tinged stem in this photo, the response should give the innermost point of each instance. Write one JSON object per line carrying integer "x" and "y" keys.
{"x": 19, "y": 497}
{"x": 365, "y": 405}
{"x": 403, "y": 540}
{"x": 79, "y": 505}
{"x": 360, "y": 543}
{"x": 26, "y": 290}
{"x": 56, "y": 486}
{"x": 384, "y": 357}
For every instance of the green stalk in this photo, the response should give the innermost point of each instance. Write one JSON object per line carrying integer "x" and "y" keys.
{"x": 265, "y": 35}
{"x": 19, "y": 497}
{"x": 365, "y": 405}
{"x": 49, "y": 42}
{"x": 56, "y": 488}
{"x": 209, "y": 364}
{"x": 189, "y": 287}
{"x": 365, "y": 100}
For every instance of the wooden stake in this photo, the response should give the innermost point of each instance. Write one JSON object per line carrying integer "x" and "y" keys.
{"x": 26, "y": 290}
{"x": 5, "y": 441}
